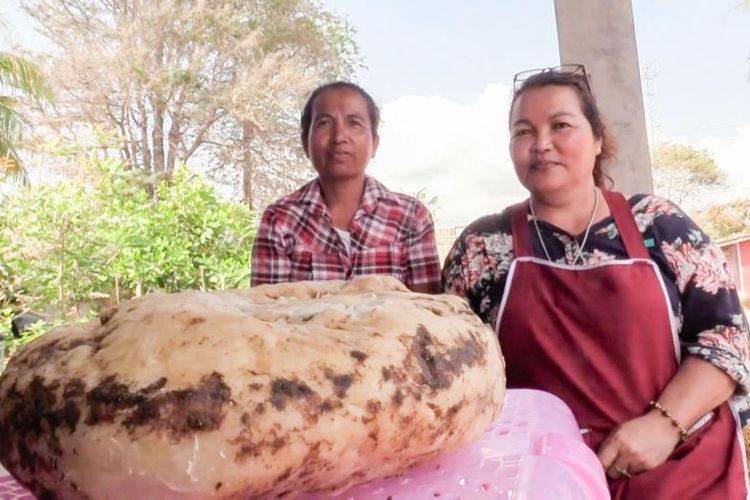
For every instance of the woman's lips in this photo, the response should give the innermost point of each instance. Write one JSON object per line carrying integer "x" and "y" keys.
{"x": 339, "y": 154}
{"x": 544, "y": 165}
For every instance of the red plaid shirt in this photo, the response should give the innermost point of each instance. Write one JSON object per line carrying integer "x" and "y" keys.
{"x": 391, "y": 234}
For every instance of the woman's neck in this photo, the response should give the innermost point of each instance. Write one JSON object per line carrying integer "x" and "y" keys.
{"x": 342, "y": 198}
{"x": 571, "y": 211}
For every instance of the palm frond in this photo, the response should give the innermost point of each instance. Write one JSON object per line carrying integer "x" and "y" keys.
{"x": 11, "y": 169}
{"x": 19, "y": 76}
{"x": 10, "y": 120}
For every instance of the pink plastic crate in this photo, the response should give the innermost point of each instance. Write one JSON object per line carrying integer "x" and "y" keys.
{"x": 533, "y": 451}
{"x": 11, "y": 490}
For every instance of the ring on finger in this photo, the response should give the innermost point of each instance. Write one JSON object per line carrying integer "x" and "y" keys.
{"x": 623, "y": 472}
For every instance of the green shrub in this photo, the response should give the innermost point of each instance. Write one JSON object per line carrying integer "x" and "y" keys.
{"x": 68, "y": 249}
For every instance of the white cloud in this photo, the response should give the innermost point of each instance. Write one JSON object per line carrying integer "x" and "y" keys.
{"x": 732, "y": 153}
{"x": 456, "y": 152}
{"x": 459, "y": 153}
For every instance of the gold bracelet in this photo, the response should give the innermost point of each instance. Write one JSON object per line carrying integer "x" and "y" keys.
{"x": 665, "y": 413}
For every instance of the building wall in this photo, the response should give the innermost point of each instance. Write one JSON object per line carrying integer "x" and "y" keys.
{"x": 445, "y": 237}
{"x": 738, "y": 262}
{"x": 731, "y": 251}
{"x": 744, "y": 247}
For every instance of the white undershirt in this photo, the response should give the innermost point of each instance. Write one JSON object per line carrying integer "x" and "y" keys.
{"x": 346, "y": 237}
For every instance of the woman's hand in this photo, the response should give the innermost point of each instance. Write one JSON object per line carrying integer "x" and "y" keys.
{"x": 638, "y": 445}
{"x": 645, "y": 442}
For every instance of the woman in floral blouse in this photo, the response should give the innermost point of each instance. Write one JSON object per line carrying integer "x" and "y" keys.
{"x": 621, "y": 307}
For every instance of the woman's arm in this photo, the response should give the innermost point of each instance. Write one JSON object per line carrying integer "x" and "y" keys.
{"x": 477, "y": 266}
{"x": 647, "y": 441}
{"x": 422, "y": 261}
{"x": 269, "y": 262}
{"x": 714, "y": 340}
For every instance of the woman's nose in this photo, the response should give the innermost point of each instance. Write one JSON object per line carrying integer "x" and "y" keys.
{"x": 339, "y": 133}
{"x": 542, "y": 142}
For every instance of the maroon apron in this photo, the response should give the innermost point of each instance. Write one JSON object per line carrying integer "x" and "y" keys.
{"x": 602, "y": 339}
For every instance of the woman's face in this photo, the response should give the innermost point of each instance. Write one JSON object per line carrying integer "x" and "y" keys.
{"x": 552, "y": 145}
{"x": 340, "y": 140}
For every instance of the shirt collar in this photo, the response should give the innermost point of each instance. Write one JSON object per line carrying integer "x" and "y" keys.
{"x": 374, "y": 192}
{"x": 311, "y": 195}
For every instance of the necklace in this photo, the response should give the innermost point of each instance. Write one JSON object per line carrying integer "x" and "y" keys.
{"x": 579, "y": 253}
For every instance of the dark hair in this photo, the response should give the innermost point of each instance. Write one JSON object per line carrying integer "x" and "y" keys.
{"x": 579, "y": 83}
{"x": 306, "y": 120}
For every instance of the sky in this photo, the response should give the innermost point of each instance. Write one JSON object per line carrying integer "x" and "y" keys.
{"x": 441, "y": 72}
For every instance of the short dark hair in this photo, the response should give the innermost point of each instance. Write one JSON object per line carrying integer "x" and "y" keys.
{"x": 306, "y": 120}
{"x": 578, "y": 82}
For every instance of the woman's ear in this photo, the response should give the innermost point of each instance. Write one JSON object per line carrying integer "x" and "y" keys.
{"x": 375, "y": 142}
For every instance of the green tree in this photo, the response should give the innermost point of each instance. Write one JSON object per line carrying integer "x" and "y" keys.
{"x": 679, "y": 170}
{"x": 726, "y": 219}
{"x": 429, "y": 201}
{"x": 216, "y": 81}
{"x": 19, "y": 79}
{"x": 68, "y": 246}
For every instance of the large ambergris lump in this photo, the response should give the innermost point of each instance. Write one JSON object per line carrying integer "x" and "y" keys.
{"x": 254, "y": 393}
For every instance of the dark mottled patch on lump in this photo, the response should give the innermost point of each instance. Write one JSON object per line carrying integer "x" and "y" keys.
{"x": 36, "y": 415}
{"x": 341, "y": 384}
{"x": 438, "y": 369}
{"x": 182, "y": 412}
{"x": 245, "y": 419}
{"x": 326, "y": 406}
{"x": 373, "y": 405}
{"x": 42, "y": 352}
{"x": 284, "y": 389}
{"x": 358, "y": 355}
{"x": 398, "y": 398}
{"x": 108, "y": 399}
{"x": 283, "y": 476}
{"x": 75, "y": 388}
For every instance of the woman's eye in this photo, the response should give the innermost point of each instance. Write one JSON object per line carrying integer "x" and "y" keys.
{"x": 560, "y": 125}
{"x": 521, "y": 132}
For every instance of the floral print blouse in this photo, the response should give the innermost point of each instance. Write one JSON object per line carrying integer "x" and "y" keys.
{"x": 702, "y": 295}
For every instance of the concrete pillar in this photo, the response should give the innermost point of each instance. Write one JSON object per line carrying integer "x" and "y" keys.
{"x": 600, "y": 35}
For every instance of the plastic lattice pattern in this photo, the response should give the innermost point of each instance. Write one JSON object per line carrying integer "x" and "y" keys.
{"x": 533, "y": 451}
{"x": 11, "y": 490}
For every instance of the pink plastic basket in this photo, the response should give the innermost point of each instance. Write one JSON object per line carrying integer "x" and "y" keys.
{"x": 11, "y": 490}
{"x": 533, "y": 451}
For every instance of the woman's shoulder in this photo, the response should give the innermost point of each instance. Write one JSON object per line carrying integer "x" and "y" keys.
{"x": 490, "y": 224}
{"x": 307, "y": 194}
{"x": 662, "y": 217}
{"x": 651, "y": 203}
{"x": 377, "y": 195}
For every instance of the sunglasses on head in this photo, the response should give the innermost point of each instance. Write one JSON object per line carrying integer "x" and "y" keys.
{"x": 564, "y": 69}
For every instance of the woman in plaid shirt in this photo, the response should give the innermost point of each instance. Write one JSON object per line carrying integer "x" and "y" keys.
{"x": 344, "y": 223}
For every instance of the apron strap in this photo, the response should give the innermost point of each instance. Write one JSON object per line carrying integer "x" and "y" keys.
{"x": 626, "y": 225}
{"x": 520, "y": 227}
